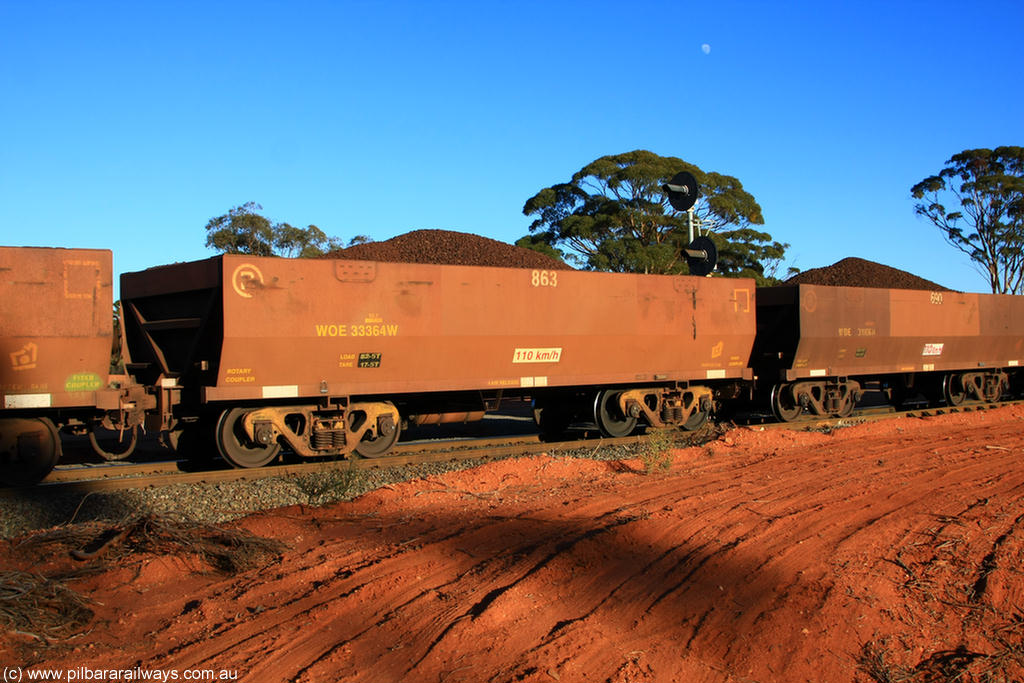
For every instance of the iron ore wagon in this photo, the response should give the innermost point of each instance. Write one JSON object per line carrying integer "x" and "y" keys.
{"x": 334, "y": 356}
{"x": 56, "y": 334}
{"x": 818, "y": 347}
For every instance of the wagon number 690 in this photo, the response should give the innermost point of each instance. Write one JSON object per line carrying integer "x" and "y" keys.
{"x": 544, "y": 278}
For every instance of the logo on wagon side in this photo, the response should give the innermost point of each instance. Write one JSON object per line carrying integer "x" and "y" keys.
{"x": 25, "y": 357}
{"x": 246, "y": 278}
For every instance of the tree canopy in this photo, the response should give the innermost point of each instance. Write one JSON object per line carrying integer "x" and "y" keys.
{"x": 614, "y": 215}
{"x": 977, "y": 201}
{"x": 243, "y": 230}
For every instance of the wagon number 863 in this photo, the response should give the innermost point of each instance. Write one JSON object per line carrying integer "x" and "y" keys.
{"x": 544, "y": 278}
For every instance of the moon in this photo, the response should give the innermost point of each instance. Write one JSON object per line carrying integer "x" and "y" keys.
{"x": 705, "y": 48}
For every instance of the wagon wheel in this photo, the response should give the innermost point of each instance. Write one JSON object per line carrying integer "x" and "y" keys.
{"x": 783, "y": 405}
{"x": 609, "y": 418}
{"x": 953, "y": 389}
{"x": 375, "y": 447}
{"x": 696, "y": 420}
{"x": 118, "y": 446}
{"x": 235, "y": 446}
{"x": 29, "y": 448}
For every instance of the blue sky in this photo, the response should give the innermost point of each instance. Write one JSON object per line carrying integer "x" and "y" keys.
{"x": 129, "y": 125}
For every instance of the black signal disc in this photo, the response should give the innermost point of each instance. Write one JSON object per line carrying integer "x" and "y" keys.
{"x": 702, "y": 266}
{"x": 682, "y": 191}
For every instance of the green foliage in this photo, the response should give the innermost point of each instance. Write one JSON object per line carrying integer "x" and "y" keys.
{"x": 302, "y": 242}
{"x": 656, "y": 452}
{"x": 539, "y": 245}
{"x": 244, "y": 231}
{"x": 746, "y": 252}
{"x": 614, "y": 215}
{"x": 328, "y": 483}
{"x": 241, "y": 231}
{"x": 986, "y": 217}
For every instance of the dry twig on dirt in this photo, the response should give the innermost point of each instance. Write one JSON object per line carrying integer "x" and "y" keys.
{"x": 40, "y": 607}
{"x": 225, "y": 549}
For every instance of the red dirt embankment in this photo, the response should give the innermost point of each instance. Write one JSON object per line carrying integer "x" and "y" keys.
{"x": 884, "y": 551}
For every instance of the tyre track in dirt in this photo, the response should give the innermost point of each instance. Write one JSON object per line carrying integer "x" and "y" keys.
{"x": 761, "y": 557}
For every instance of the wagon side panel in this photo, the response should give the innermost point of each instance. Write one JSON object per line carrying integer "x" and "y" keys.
{"x": 1002, "y": 328}
{"x": 56, "y": 320}
{"x": 850, "y": 331}
{"x": 298, "y": 328}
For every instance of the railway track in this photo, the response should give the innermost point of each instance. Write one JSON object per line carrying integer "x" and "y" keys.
{"x": 884, "y": 413}
{"x": 117, "y": 476}
{"x": 88, "y": 478}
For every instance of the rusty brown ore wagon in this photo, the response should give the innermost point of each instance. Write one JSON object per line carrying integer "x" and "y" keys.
{"x": 329, "y": 357}
{"x": 819, "y": 347}
{"x": 56, "y": 328}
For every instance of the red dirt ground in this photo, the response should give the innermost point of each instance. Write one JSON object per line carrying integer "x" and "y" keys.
{"x": 882, "y": 552}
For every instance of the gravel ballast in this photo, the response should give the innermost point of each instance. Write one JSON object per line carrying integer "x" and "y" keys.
{"x": 26, "y": 510}
{"x": 31, "y": 509}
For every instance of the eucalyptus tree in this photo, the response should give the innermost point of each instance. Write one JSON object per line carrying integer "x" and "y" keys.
{"x": 977, "y": 202}
{"x": 243, "y": 230}
{"x": 614, "y": 214}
